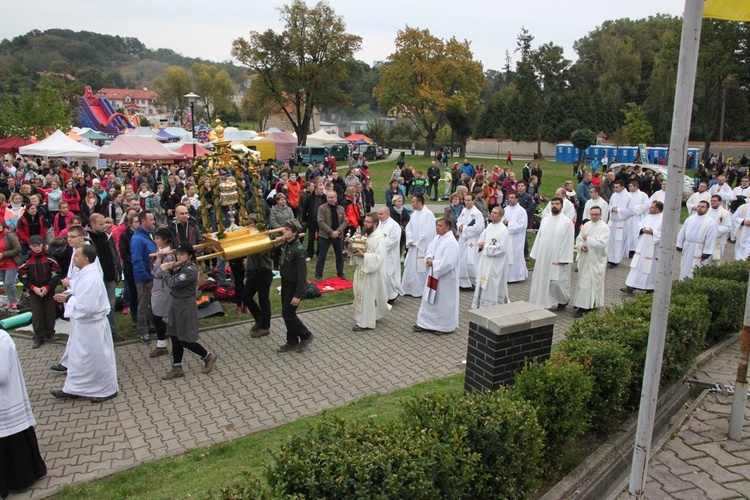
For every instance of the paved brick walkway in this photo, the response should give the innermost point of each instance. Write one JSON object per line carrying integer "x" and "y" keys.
{"x": 252, "y": 387}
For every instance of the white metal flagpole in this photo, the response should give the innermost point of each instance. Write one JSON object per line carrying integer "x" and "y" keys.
{"x": 683, "y": 105}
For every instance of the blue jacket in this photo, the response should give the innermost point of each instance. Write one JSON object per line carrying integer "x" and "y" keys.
{"x": 468, "y": 169}
{"x": 141, "y": 245}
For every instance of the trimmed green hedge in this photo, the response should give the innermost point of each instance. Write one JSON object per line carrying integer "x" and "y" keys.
{"x": 726, "y": 302}
{"x": 607, "y": 362}
{"x": 737, "y": 270}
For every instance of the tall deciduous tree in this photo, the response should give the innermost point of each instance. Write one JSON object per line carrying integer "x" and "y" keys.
{"x": 172, "y": 87}
{"x": 215, "y": 88}
{"x": 637, "y": 128}
{"x": 301, "y": 67}
{"x": 427, "y": 79}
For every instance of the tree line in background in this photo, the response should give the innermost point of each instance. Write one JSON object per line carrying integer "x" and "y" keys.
{"x": 622, "y": 82}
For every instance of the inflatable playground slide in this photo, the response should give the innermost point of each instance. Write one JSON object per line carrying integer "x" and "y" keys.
{"x": 98, "y": 114}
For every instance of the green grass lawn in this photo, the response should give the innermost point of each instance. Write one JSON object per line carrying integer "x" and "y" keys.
{"x": 203, "y": 471}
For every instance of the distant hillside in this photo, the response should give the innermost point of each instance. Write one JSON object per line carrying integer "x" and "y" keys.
{"x": 92, "y": 58}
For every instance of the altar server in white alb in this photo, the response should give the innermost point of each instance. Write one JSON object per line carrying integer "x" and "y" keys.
{"x": 92, "y": 370}
{"x": 741, "y": 232}
{"x": 743, "y": 189}
{"x": 723, "y": 190}
{"x": 596, "y": 201}
{"x": 392, "y": 232}
{"x": 568, "y": 210}
{"x": 723, "y": 220}
{"x": 701, "y": 195}
{"x": 516, "y": 220}
{"x": 496, "y": 252}
{"x": 642, "y": 275}
{"x": 592, "y": 262}
{"x": 370, "y": 296}
{"x": 553, "y": 253}
{"x": 438, "y": 313}
{"x": 635, "y": 212}
{"x": 617, "y": 248}
{"x": 419, "y": 233}
{"x": 470, "y": 225}
{"x": 660, "y": 194}
{"x": 696, "y": 240}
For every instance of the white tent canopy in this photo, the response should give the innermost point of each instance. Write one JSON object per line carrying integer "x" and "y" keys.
{"x": 58, "y": 145}
{"x": 323, "y": 138}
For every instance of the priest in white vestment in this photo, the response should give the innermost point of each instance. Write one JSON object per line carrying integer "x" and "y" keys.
{"x": 596, "y": 201}
{"x": 553, "y": 253}
{"x": 659, "y": 195}
{"x": 569, "y": 210}
{"x": 370, "y": 296}
{"x": 741, "y": 232}
{"x": 419, "y": 233}
{"x": 743, "y": 189}
{"x": 592, "y": 262}
{"x": 92, "y": 370}
{"x": 635, "y": 212}
{"x": 617, "y": 248}
{"x": 438, "y": 312}
{"x": 470, "y": 225}
{"x": 516, "y": 220}
{"x": 696, "y": 240}
{"x": 495, "y": 253}
{"x": 643, "y": 268}
{"x": 723, "y": 190}
{"x": 392, "y": 232}
{"x": 701, "y": 195}
{"x": 723, "y": 220}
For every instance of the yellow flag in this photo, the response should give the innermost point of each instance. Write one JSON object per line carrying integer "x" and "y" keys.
{"x": 729, "y": 10}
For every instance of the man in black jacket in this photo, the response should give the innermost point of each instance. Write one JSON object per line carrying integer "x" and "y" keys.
{"x": 109, "y": 258}
{"x": 310, "y": 217}
{"x": 433, "y": 176}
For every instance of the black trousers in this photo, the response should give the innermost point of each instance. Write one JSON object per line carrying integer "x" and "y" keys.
{"x": 238, "y": 276}
{"x": 161, "y": 327}
{"x": 132, "y": 292}
{"x": 433, "y": 183}
{"x": 295, "y": 329}
{"x": 312, "y": 228}
{"x": 43, "y": 315}
{"x": 338, "y": 251}
{"x": 178, "y": 349}
{"x": 259, "y": 282}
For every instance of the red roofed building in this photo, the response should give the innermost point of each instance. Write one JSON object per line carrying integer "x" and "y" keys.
{"x": 144, "y": 99}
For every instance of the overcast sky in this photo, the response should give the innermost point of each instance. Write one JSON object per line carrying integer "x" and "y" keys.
{"x": 206, "y": 29}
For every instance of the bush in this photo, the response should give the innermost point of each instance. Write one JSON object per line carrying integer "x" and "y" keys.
{"x": 501, "y": 430}
{"x": 737, "y": 270}
{"x": 726, "y": 303}
{"x": 366, "y": 460}
{"x": 628, "y": 324}
{"x": 607, "y": 362}
{"x": 560, "y": 391}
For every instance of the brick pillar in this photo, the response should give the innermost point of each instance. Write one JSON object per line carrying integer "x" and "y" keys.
{"x": 501, "y": 339}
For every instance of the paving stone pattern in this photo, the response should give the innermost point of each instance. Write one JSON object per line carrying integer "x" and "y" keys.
{"x": 253, "y": 388}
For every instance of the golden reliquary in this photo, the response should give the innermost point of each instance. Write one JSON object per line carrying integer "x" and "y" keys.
{"x": 357, "y": 241}
{"x": 228, "y": 194}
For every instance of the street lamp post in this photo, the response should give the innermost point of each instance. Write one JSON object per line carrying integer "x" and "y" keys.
{"x": 191, "y": 98}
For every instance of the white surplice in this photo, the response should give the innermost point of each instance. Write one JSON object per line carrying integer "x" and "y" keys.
{"x": 569, "y": 210}
{"x": 517, "y": 222}
{"x": 419, "y": 231}
{"x": 92, "y": 370}
{"x": 637, "y": 209}
{"x": 599, "y": 202}
{"x": 657, "y": 196}
{"x": 741, "y": 232}
{"x": 72, "y": 271}
{"x": 591, "y": 265}
{"x": 696, "y": 238}
{"x": 370, "y": 296}
{"x": 492, "y": 270}
{"x": 643, "y": 268}
{"x": 553, "y": 253}
{"x": 617, "y": 248}
{"x": 723, "y": 220}
{"x": 696, "y": 197}
{"x": 439, "y": 308}
{"x": 392, "y": 232}
{"x": 724, "y": 191}
{"x": 472, "y": 221}
{"x": 15, "y": 408}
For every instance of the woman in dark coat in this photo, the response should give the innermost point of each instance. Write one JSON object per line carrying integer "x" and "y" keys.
{"x": 182, "y": 324}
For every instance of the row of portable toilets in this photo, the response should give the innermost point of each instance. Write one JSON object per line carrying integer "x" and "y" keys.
{"x": 567, "y": 153}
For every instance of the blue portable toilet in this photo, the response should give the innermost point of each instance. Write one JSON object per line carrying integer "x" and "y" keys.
{"x": 696, "y": 152}
{"x": 627, "y": 154}
{"x": 571, "y": 153}
{"x": 560, "y": 153}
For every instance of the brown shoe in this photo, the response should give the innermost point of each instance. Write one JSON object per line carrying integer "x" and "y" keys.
{"x": 260, "y": 332}
{"x": 62, "y": 394}
{"x": 159, "y": 351}
{"x": 175, "y": 372}
{"x": 208, "y": 363}
{"x": 255, "y": 327}
{"x": 628, "y": 290}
